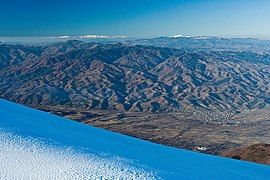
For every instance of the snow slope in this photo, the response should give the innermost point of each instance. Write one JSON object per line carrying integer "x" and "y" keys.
{"x": 38, "y": 145}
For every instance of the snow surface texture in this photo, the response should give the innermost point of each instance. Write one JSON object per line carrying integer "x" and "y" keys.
{"x": 29, "y": 159}
{"x": 38, "y": 145}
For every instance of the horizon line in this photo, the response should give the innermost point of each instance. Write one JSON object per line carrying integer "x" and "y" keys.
{"x": 100, "y": 36}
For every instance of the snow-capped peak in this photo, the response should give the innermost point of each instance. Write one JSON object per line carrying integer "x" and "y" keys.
{"x": 90, "y": 36}
{"x": 179, "y": 36}
{"x": 56, "y": 37}
{"x": 94, "y": 36}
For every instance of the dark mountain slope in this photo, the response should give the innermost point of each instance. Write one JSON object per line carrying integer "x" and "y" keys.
{"x": 134, "y": 78}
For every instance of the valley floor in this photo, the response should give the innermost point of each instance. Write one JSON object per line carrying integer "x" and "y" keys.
{"x": 203, "y": 131}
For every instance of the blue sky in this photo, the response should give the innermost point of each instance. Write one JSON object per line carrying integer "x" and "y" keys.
{"x": 140, "y": 18}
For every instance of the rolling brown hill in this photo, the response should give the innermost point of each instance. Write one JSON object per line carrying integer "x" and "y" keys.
{"x": 259, "y": 153}
{"x": 133, "y": 78}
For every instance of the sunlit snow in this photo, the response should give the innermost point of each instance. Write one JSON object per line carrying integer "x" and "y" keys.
{"x": 27, "y": 158}
{"x": 38, "y": 145}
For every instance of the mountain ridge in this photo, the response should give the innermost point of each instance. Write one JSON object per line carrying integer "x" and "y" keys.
{"x": 134, "y": 78}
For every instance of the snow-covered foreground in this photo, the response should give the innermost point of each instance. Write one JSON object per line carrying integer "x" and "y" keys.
{"x": 38, "y": 145}
{"x": 26, "y": 158}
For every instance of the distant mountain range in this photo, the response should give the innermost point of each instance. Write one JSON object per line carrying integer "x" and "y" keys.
{"x": 176, "y": 41}
{"x": 178, "y": 73}
{"x": 45, "y": 40}
{"x": 207, "y": 43}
